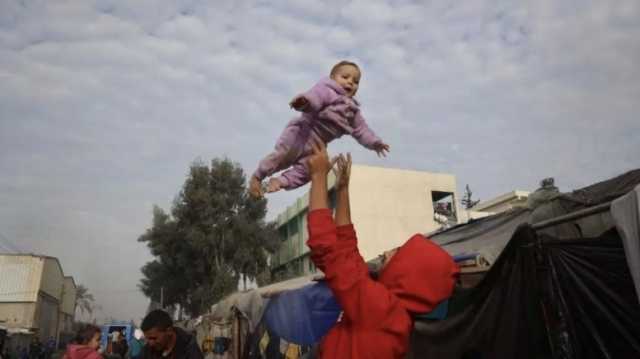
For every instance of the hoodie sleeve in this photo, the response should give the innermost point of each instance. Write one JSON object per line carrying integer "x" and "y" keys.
{"x": 318, "y": 96}
{"x": 363, "y": 134}
{"x": 334, "y": 250}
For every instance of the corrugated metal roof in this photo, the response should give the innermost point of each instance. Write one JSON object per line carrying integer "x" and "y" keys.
{"x": 20, "y": 278}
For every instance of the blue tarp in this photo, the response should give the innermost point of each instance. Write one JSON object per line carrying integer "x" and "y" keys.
{"x": 303, "y": 316}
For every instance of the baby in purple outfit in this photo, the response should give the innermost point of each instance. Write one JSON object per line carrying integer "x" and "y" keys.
{"x": 328, "y": 112}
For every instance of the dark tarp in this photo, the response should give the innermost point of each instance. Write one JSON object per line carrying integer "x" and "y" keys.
{"x": 488, "y": 235}
{"x": 590, "y": 298}
{"x": 584, "y": 286}
{"x": 601, "y": 192}
{"x": 626, "y": 215}
{"x": 499, "y": 318}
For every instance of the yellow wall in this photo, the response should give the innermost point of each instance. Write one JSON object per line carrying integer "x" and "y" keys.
{"x": 390, "y": 205}
{"x": 387, "y": 207}
{"x": 18, "y": 315}
{"x": 69, "y": 297}
{"x": 52, "y": 278}
{"x": 20, "y": 278}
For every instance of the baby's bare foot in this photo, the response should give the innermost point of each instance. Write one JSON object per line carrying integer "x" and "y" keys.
{"x": 274, "y": 185}
{"x": 255, "y": 188}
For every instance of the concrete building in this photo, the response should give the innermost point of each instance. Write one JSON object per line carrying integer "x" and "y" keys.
{"x": 387, "y": 207}
{"x": 503, "y": 202}
{"x": 35, "y": 296}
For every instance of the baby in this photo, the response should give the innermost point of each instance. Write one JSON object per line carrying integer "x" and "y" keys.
{"x": 328, "y": 112}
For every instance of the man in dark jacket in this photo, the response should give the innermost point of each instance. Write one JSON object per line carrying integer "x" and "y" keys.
{"x": 164, "y": 341}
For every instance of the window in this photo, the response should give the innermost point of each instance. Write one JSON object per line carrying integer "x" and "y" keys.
{"x": 282, "y": 231}
{"x": 312, "y": 267}
{"x": 444, "y": 209}
{"x": 293, "y": 226}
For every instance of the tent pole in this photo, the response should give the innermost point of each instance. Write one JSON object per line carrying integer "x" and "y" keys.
{"x": 571, "y": 216}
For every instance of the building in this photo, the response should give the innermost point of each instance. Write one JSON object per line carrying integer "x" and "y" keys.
{"x": 387, "y": 206}
{"x": 35, "y": 296}
{"x": 68, "y": 308}
{"x": 503, "y": 202}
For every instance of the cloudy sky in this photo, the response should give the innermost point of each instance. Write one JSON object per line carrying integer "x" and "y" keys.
{"x": 104, "y": 104}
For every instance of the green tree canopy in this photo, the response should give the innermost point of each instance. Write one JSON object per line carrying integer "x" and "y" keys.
{"x": 215, "y": 235}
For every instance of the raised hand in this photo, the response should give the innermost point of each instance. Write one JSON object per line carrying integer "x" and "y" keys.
{"x": 318, "y": 163}
{"x": 381, "y": 149}
{"x": 299, "y": 103}
{"x": 342, "y": 170}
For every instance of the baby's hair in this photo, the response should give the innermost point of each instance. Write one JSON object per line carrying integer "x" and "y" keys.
{"x": 337, "y": 66}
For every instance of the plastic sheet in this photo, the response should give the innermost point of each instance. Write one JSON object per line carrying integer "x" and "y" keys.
{"x": 304, "y": 315}
{"x": 544, "y": 297}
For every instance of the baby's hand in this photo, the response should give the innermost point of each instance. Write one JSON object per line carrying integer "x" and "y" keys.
{"x": 299, "y": 103}
{"x": 381, "y": 149}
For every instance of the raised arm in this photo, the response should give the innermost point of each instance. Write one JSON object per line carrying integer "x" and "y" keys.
{"x": 366, "y": 137}
{"x": 313, "y": 100}
{"x": 343, "y": 173}
{"x": 319, "y": 166}
{"x": 334, "y": 251}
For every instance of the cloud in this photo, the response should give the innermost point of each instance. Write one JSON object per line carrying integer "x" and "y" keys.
{"x": 104, "y": 104}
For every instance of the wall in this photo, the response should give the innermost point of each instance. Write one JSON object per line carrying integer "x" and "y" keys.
{"x": 18, "y": 315}
{"x": 20, "y": 278}
{"x": 69, "y": 296}
{"x": 47, "y": 314}
{"x": 389, "y": 205}
{"x": 52, "y": 278}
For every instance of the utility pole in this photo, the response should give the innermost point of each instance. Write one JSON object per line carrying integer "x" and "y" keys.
{"x": 162, "y": 297}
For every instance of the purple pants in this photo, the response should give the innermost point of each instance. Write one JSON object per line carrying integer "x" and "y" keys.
{"x": 290, "y": 154}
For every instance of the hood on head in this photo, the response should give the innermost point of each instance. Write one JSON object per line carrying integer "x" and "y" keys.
{"x": 420, "y": 274}
{"x": 75, "y": 351}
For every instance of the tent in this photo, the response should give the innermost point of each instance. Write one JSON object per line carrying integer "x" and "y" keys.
{"x": 561, "y": 285}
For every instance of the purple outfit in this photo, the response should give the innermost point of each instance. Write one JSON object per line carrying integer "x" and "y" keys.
{"x": 330, "y": 114}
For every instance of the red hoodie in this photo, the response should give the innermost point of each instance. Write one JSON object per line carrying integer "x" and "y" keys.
{"x": 377, "y": 321}
{"x": 75, "y": 351}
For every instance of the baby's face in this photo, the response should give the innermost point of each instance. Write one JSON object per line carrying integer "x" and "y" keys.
{"x": 348, "y": 77}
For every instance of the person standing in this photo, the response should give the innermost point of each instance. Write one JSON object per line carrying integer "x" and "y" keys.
{"x": 85, "y": 344}
{"x": 164, "y": 341}
{"x": 137, "y": 343}
{"x": 120, "y": 347}
{"x": 35, "y": 348}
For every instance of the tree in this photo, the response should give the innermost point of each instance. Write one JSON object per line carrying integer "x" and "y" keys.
{"x": 84, "y": 299}
{"x": 215, "y": 236}
{"x": 467, "y": 201}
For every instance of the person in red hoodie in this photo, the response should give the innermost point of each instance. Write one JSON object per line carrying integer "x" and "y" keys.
{"x": 377, "y": 314}
{"x": 86, "y": 344}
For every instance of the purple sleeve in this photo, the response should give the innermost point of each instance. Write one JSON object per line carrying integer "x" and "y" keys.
{"x": 319, "y": 96}
{"x": 363, "y": 134}
{"x": 296, "y": 176}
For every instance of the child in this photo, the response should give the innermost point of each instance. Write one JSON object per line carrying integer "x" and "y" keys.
{"x": 328, "y": 112}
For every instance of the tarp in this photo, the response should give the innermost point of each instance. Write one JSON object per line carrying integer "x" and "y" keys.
{"x": 488, "y": 235}
{"x": 583, "y": 285}
{"x": 304, "y": 315}
{"x": 626, "y": 215}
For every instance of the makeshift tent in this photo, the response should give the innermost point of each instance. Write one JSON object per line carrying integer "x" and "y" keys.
{"x": 552, "y": 292}
{"x": 543, "y": 297}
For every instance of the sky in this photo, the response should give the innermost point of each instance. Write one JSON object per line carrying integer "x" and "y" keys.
{"x": 105, "y": 104}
